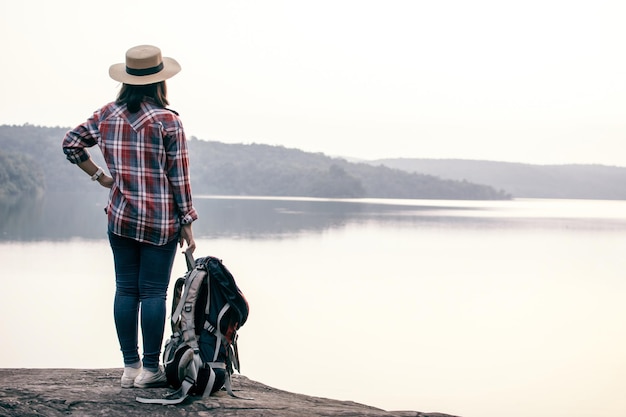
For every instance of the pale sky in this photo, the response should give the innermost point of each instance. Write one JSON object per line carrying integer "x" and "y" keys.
{"x": 521, "y": 81}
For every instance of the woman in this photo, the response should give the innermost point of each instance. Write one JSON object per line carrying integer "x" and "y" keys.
{"x": 150, "y": 207}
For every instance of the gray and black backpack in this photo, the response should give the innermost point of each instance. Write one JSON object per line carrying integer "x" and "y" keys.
{"x": 207, "y": 310}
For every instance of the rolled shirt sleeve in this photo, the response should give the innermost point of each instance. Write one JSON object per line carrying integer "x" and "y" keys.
{"x": 77, "y": 140}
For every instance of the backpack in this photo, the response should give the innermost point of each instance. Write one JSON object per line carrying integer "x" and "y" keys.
{"x": 207, "y": 310}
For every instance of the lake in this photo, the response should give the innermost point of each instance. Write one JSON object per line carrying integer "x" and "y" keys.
{"x": 472, "y": 308}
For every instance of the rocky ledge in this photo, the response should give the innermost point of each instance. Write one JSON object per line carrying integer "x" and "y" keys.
{"x": 97, "y": 392}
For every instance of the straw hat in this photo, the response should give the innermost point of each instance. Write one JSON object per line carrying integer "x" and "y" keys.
{"x": 144, "y": 65}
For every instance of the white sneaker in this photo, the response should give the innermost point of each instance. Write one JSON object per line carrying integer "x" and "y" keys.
{"x": 129, "y": 375}
{"x": 147, "y": 379}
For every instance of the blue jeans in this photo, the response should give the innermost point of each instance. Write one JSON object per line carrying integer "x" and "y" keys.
{"x": 142, "y": 276}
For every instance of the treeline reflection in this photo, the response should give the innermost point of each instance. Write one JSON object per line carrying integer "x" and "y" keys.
{"x": 64, "y": 216}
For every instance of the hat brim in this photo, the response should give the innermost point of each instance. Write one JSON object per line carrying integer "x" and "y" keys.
{"x": 170, "y": 68}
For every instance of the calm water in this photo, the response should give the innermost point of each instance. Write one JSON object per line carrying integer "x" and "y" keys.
{"x": 479, "y": 309}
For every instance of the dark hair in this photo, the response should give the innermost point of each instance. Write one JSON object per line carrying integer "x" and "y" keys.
{"x": 133, "y": 95}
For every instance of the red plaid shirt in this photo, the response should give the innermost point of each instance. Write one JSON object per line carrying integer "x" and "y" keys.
{"x": 146, "y": 153}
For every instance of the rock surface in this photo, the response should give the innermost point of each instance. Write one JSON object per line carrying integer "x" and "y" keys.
{"x": 97, "y": 392}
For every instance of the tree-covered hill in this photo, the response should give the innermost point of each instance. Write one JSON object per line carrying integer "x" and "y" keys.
{"x": 41, "y": 147}
{"x": 19, "y": 175}
{"x": 274, "y": 170}
{"x": 251, "y": 169}
{"x": 573, "y": 181}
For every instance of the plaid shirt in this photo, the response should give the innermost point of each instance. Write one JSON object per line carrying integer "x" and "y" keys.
{"x": 146, "y": 153}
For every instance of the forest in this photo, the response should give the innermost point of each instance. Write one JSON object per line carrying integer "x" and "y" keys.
{"x": 19, "y": 174}
{"x": 31, "y": 161}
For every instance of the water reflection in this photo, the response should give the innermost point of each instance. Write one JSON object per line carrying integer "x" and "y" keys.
{"x": 63, "y": 216}
{"x": 484, "y": 304}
